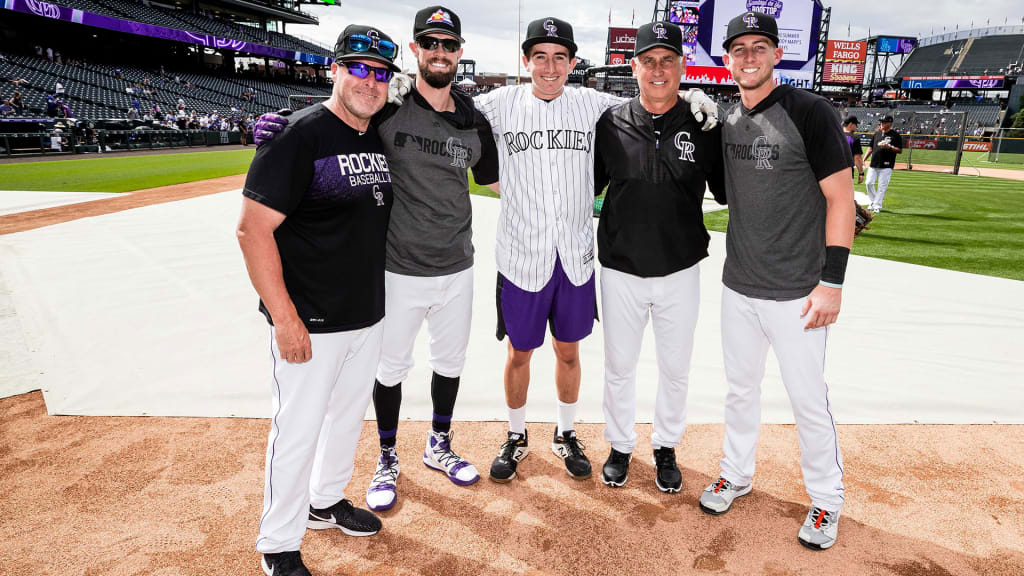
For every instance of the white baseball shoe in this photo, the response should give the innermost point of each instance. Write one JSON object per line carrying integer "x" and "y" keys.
{"x": 820, "y": 529}
{"x": 383, "y": 492}
{"x": 440, "y": 456}
{"x": 717, "y": 498}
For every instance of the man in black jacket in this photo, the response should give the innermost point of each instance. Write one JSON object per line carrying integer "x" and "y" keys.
{"x": 656, "y": 162}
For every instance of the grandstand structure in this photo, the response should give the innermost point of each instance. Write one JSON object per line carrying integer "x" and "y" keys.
{"x": 161, "y": 65}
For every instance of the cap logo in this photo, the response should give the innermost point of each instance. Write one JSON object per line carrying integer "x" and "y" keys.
{"x": 750, "y": 20}
{"x": 549, "y": 25}
{"x": 659, "y": 31}
{"x": 441, "y": 17}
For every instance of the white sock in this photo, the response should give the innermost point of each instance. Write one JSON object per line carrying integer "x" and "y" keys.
{"x": 517, "y": 420}
{"x": 566, "y": 416}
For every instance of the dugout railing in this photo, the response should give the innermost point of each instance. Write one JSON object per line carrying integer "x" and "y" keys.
{"x": 52, "y": 143}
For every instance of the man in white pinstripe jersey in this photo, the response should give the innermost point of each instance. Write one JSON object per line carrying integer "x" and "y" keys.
{"x": 545, "y": 238}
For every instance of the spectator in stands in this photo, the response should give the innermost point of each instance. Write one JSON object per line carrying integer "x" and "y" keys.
{"x": 17, "y": 103}
{"x": 133, "y": 113}
{"x": 58, "y": 89}
{"x": 886, "y": 143}
{"x": 5, "y": 108}
{"x": 49, "y": 54}
{"x": 51, "y": 106}
{"x": 62, "y": 110}
{"x": 850, "y": 128}
{"x": 118, "y": 74}
{"x": 57, "y": 58}
{"x": 39, "y": 51}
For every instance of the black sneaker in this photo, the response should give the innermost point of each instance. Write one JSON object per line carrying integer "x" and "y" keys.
{"x": 512, "y": 452}
{"x": 668, "y": 479}
{"x": 284, "y": 564}
{"x": 352, "y": 521}
{"x": 616, "y": 468}
{"x": 570, "y": 449}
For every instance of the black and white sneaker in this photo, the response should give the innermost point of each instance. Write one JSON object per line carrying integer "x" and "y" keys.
{"x": 570, "y": 450}
{"x": 512, "y": 452}
{"x": 284, "y": 564}
{"x": 669, "y": 478}
{"x": 615, "y": 471}
{"x": 351, "y": 520}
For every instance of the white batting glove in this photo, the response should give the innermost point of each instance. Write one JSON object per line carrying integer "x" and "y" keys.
{"x": 702, "y": 107}
{"x": 399, "y": 86}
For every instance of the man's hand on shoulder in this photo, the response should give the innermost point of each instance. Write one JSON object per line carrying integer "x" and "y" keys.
{"x": 400, "y": 85}
{"x": 703, "y": 108}
{"x": 269, "y": 125}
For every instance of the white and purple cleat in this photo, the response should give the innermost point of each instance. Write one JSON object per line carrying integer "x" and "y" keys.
{"x": 439, "y": 456}
{"x": 381, "y": 494}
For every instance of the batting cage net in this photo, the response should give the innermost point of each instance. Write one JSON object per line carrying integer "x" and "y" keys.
{"x": 932, "y": 138}
{"x": 299, "y": 101}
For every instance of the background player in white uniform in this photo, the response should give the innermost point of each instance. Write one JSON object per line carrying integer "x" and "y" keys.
{"x": 886, "y": 144}
{"x": 651, "y": 238}
{"x": 316, "y": 203}
{"x": 544, "y": 249}
{"x": 790, "y": 230}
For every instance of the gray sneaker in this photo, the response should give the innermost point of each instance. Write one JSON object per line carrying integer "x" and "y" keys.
{"x": 820, "y": 529}
{"x": 717, "y": 497}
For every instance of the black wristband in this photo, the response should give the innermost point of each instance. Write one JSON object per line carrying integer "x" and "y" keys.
{"x": 834, "y": 272}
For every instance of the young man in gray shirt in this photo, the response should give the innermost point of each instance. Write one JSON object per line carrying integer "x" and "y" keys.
{"x": 787, "y": 177}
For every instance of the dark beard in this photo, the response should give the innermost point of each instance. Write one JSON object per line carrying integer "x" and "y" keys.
{"x": 436, "y": 79}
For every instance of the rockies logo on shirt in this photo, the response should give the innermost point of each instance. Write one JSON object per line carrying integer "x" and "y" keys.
{"x": 762, "y": 152}
{"x": 551, "y": 28}
{"x": 378, "y": 195}
{"x": 660, "y": 32}
{"x": 457, "y": 151}
{"x": 685, "y": 146}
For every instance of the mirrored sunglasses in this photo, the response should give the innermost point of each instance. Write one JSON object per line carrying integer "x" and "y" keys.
{"x": 363, "y": 43}
{"x": 360, "y": 70}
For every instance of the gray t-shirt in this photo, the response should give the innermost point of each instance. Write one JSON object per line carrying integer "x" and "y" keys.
{"x": 775, "y": 154}
{"x": 429, "y": 153}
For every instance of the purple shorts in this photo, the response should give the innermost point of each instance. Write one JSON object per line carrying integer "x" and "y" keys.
{"x": 569, "y": 310}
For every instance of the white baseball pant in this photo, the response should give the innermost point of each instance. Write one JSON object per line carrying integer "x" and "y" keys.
{"x": 877, "y": 183}
{"x": 318, "y": 410}
{"x": 749, "y": 327}
{"x": 672, "y": 302}
{"x": 446, "y": 302}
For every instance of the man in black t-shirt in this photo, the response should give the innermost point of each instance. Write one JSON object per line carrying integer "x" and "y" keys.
{"x": 656, "y": 161}
{"x": 886, "y": 143}
{"x": 850, "y": 128}
{"x": 315, "y": 212}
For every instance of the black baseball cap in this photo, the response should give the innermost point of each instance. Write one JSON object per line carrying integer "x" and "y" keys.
{"x": 345, "y": 50}
{"x": 437, "y": 20}
{"x": 851, "y": 120}
{"x": 658, "y": 35}
{"x": 751, "y": 23}
{"x": 885, "y": 118}
{"x": 550, "y": 30}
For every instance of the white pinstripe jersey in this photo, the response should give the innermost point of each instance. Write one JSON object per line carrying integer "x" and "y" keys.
{"x": 546, "y": 175}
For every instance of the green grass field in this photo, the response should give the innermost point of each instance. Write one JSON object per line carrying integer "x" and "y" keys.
{"x": 958, "y": 223}
{"x": 123, "y": 173}
{"x": 953, "y": 222}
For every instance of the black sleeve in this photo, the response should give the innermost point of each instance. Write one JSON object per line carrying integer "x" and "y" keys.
{"x": 602, "y": 144}
{"x": 485, "y": 171}
{"x": 824, "y": 141}
{"x": 856, "y": 149}
{"x": 896, "y": 140}
{"x": 280, "y": 172}
{"x": 716, "y": 172}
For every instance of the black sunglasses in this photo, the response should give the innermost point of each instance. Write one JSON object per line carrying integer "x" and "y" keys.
{"x": 360, "y": 70}
{"x": 450, "y": 45}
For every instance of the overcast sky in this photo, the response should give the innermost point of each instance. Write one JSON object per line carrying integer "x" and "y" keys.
{"x": 491, "y": 27}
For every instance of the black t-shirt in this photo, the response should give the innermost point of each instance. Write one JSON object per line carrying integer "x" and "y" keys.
{"x": 855, "y": 148}
{"x": 333, "y": 185}
{"x": 885, "y": 157}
